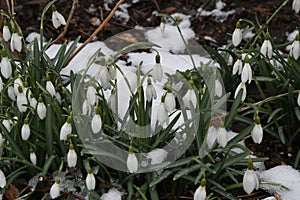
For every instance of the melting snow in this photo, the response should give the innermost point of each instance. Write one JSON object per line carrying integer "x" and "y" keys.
{"x": 112, "y": 194}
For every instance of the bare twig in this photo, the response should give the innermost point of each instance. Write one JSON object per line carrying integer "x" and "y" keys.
{"x": 12, "y": 7}
{"x": 74, "y": 5}
{"x": 8, "y": 6}
{"x": 101, "y": 26}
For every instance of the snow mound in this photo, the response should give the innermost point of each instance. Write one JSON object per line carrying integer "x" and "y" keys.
{"x": 112, "y": 194}
{"x": 284, "y": 175}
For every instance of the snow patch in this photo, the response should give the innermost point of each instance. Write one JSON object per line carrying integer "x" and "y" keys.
{"x": 112, "y": 194}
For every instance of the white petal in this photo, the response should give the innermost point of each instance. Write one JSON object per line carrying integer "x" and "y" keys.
{"x": 18, "y": 82}
{"x": 162, "y": 114}
{"x": 246, "y": 73}
{"x": 237, "y": 67}
{"x": 57, "y": 19}
{"x": 2, "y": 179}
{"x": 11, "y": 92}
{"x": 6, "y": 69}
{"x": 7, "y": 124}
{"x": 132, "y": 163}
{"x": 257, "y": 133}
{"x": 1, "y": 84}
{"x": 104, "y": 77}
{"x": 25, "y": 132}
{"x": 6, "y": 33}
{"x": 65, "y": 130}
{"x": 296, "y": 5}
{"x": 218, "y": 88}
{"x": 250, "y": 181}
{"x": 295, "y": 49}
{"x": 241, "y": 86}
{"x": 91, "y": 95}
{"x": 298, "y": 99}
{"x": 157, "y": 72}
{"x": 72, "y": 158}
{"x": 54, "y": 191}
{"x": 90, "y": 181}
{"x": 190, "y": 99}
{"x": 96, "y": 123}
{"x": 50, "y": 88}
{"x": 15, "y": 42}
{"x": 33, "y": 158}
{"x": 150, "y": 92}
{"x": 200, "y": 193}
{"x": 86, "y": 107}
{"x": 237, "y": 37}
{"x": 41, "y": 110}
{"x": 222, "y": 137}
{"x": 33, "y": 102}
{"x": 170, "y": 102}
{"x": 22, "y": 102}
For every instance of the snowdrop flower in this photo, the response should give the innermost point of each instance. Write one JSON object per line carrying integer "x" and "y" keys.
{"x": 104, "y": 77}
{"x": 218, "y": 88}
{"x": 72, "y": 156}
{"x": 222, "y": 137}
{"x": 54, "y": 190}
{"x": 257, "y": 131}
{"x": 41, "y": 109}
{"x": 239, "y": 87}
{"x": 32, "y": 157}
{"x": 250, "y": 180}
{"x": 237, "y": 35}
{"x": 112, "y": 101}
{"x": 6, "y": 69}
{"x": 96, "y": 123}
{"x": 170, "y": 101}
{"x": 150, "y": 91}
{"x": 6, "y": 32}
{"x": 298, "y": 99}
{"x": 91, "y": 95}
{"x": 1, "y": 84}
{"x": 200, "y": 193}
{"x": 86, "y": 107}
{"x": 246, "y": 72}
{"x": 32, "y": 100}
{"x": 21, "y": 101}
{"x": 11, "y": 92}
{"x": 295, "y": 49}
{"x": 132, "y": 162}
{"x": 66, "y": 129}
{"x": 18, "y": 82}
{"x": 296, "y": 5}
{"x": 57, "y": 18}
{"x": 190, "y": 98}
{"x": 57, "y": 96}
{"x": 1, "y": 139}
{"x": 162, "y": 114}
{"x": 238, "y": 66}
{"x": 157, "y": 72}
{"x": 90, "y": 180}
{"x": 25, "y": 130}
{"x": 7, "y": 124}
{"x": 15, "y": 42}
{"x": 50, "y": 87}
{"x": 2, "y": 179}
{"x": 266, "y": 48}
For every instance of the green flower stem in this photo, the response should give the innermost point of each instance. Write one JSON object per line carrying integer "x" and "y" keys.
{"x": 274, "y": 184}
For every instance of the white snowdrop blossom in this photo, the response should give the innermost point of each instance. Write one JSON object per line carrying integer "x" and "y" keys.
{"x": 257, "y": 133}
{"x": 237, "y": 35}
{"x": 91, "y": 95}
{"x": 296, "y": 5}
{"x": 57, "y": 96}
{"x": 266, "y": 48}
{"x": 162, "y": 114}
{"x": 190, "y": 99}
{"x": 50, "y": 87}
{"x": 32, "y": 157}
{"x": 112, "y": 102}
{"x": 18, "y": 82}
{"x": 150, "y": 91}
{"x": 2, "y": 179}
{"x": 246, "y": 72}
{"x": 250, "y": 180}
{"x": 32, "y": 101}
{"x": 15, "y": 42}
{"x": 6, "y": 69}
{"x": 96, "y": 123}
{"x": 41, "y": 109}
{"x": 170, "y": 102}
{"x": 295, "y": 48}
{"x": 7, "y": 124}
{"x": 218, "y": 88}
{"x": 132, "y": 162}
{"x": 157, "y": 71}
{"x": 1, "y": 139}
{"x": 6, "y": 32}
{"x": 86, "y": 107}
{"x": 104, "y": 77}
{"x": 239, "y": 87}
{"x": 222, "y": 137}
{"x": 237, "y": 66}
{"x": 21, "y": 101}
{"x": 25, "y": 130}
{"x": 66, "y": 129}
{"x": 200, "y": 193}
{"x": 90, "y": 180}
{"x": 72, "y": 156}
{"x": 11, "y": 92}
{"x": 298, "y": 99}
{"x": 57, "y": 18}
{"x": 55, "y": 190}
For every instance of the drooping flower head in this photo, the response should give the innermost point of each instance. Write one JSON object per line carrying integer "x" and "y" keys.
{"x": 296, "y": 5}
{"x": 237, "y": 35}
{"x": 190, "y": 98}
{"x": 157, "y": 72}
{"x": 170, "y": 102}
{"x": 250, "y": 180}
{"x": 266, "y": 48}
{"x": 5, "y": 65}
{"x": 50, "y": 87}
{"x": 132, "y": 162}
{"x": 90, "y": 180}
{"x": 25, "y": 130}
{"x": 96, "y": 123}
{"x": 55, "y": 190}
{"x": 237, "y": 66}
{"x": 246, "y": 72}
{"x": 6, "y": 32}
{"x": 200, "y": 193}
{"x": 295, "y": 48}
{"x": 66, "y": 129}
{"x": 41, "y": 108}
{"x": 15, "y": 42}
{"x": 72, "y": 156}
{"x": 150, "y": 91}
{"x": 257, "y": 131}
{"x": 57, "y": 18}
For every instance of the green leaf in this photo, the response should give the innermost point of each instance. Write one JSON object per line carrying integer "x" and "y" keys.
{"x": 47, "y": 165}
